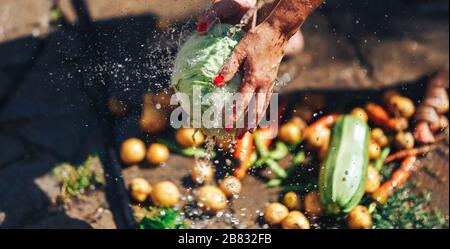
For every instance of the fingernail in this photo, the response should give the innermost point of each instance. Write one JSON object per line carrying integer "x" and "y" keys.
{"x": 218, "y": 80}
{"x": 202, "y": 27}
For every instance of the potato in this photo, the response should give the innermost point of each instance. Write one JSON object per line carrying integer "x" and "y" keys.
{"x": 319, "y": 138}
{"x": 231, "y": 186}
{"x": 188, "y": 137}
{"x": 374, "y": 150}
{"x": 295, "y": 220}
{"x": 373, "y": 180}
{"x": 292, "y": 201}
{"x": 163, "y": 98}
{"x": 157, "y": 154}
{"x": 359, "y": 218}
{"x": 290, "y": 133}
{"x": 298, "y": 121}
{"x": 377, "y": 135}
{"x": 202, "y": 173}
{"x": 211, "y": 199}
{"x": 405, "y": 140}
{"x": 275, "y": 213}
{"x": 401, "y": 106}
{"x": 132, "y": 151}
{"x": 165, "y": 194}
{"x": 152, "y": 121}
{"x": 360, "y": 113}
{"x": 140, "y": 189}
{"x": 312, "y": 204}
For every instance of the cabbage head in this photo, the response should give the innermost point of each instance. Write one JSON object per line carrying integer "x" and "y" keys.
{"x": 198, "y": 62}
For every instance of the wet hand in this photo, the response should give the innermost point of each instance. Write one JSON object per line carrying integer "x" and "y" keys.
{"x": 259, "y": 53}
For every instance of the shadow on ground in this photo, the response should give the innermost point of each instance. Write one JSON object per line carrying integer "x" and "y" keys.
{"x": 52, "y": 109}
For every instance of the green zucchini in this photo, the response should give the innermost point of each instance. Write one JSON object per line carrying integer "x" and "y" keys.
{"x": 343, "y": 175}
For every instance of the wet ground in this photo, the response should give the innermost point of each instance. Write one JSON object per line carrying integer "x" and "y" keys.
{"x": 56, "y": 74}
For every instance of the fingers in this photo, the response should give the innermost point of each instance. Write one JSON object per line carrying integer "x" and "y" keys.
{"x": 263, "y": 107}
{"x": 231, "y": 66}
{"x": 247, "y": 92}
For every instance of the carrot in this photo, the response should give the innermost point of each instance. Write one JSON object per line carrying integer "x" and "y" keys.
{"x": 398, "y": 179}
{"x": 409, "y": 152}
{"x": 267, "y": 135}
{"x": 325, "y": 121}
{"x": 379, "y": 116}
{"x": 242, "y": 155}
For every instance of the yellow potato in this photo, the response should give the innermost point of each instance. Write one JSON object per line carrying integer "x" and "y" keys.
{"x": 202, "y": 173}
{"x": 360, "y": 113}
{"x": 140, "y": 189}
{"x": 295, "y": 220}
{"x": 165, "y": 194}
{"x": 132, "y": 151}
{"x": 373, "y": 180}
{"x": 157, "y": 153}
{"x": 188, "y": 137}
{"x": 359, "y": 218}
{"x": 275, "y": 213}
{"x": 211, "y": 199}
{"x": 292, "y": 201}
{"x": 231, "y": 186}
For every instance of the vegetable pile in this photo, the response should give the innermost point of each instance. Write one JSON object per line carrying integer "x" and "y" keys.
{"x": 334, "y": 166}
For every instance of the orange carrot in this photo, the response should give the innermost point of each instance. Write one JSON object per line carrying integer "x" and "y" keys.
{"x": 242, "y": 155}
{"x": 267, "y": 135}
{"x": 398, "y": 179}
{"x": 377, "y": 113}
{"x": 379, "y": 116}
{"x": 409, "y": 152}
{"x": 325, "y": 121}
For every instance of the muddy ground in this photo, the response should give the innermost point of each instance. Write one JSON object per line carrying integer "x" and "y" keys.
{"x": 56, "y": 72}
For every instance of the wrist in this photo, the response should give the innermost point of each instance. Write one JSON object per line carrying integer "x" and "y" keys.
{"x": 289, "y": 15}
{"x": 277, "y": 29}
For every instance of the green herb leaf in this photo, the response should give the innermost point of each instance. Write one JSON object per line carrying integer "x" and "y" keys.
{"x": 166, "y": 218}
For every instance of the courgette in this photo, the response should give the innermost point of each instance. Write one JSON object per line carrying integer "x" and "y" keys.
{"x": 343, "y": 175}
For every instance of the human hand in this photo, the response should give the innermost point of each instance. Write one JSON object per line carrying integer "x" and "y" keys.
{"x": 260, "y": 53}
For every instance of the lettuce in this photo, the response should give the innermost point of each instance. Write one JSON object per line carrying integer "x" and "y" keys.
{"x": 198, "y": 62}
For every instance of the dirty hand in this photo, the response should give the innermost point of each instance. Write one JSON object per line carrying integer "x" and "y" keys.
{"x": 260, "y": 53}
{"x": 262, "y": 48}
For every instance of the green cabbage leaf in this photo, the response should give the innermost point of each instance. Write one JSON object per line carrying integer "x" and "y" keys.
{"x": 199, "y": 61}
